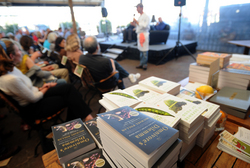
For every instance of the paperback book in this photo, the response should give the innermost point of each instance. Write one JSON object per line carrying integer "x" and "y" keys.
{"x": 143, "y": 93}
{"x": 94, "y": 158}
{"x": 120, "y": 98}
{"x": 234, "y": 146}
{"x": 236, "y": 100}
{"x": 71, "y": 139}
{"x": 163, "y": 115}
{"x": 211, "y": 108}
{"x": 189, "y": 112}
{"x": 161, "y": 85}
{"x": 143, "y": 137}
{"x": 91, "y": 126}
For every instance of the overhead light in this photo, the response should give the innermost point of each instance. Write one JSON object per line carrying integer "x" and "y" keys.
{"x": 237, "y": 11}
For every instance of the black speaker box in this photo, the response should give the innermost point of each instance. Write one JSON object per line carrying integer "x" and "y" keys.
{"x": 104, "y": 12}
{"x": 179, "y": 2}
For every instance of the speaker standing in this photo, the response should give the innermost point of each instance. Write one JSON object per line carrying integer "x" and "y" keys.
{"x": 142, "y": 30}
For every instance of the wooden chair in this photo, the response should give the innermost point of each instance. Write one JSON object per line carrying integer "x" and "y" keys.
{"x": 37, "y": 125}
{"x": 89, "y": 83}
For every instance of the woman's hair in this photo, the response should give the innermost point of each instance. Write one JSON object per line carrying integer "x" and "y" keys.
{"x": 57, "y": 43}
{"x": 72, "y": 43}
{"x": 26, "y": 42}
{"x": 9, "y": 46}
{"x": 6, "y": 64}
{"x": 51, "y": 39}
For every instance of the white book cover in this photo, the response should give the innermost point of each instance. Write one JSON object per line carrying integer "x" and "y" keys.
{"x": 189, "y": 112}
{"x": 163, "y": 115}
{"x": 121, "y": 98}
{"x": 160, "y": 85}
{"x": 211, "y": 108}
{"x": 142, "y": 93}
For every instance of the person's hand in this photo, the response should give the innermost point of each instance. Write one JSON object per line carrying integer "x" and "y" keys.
{"x": 135, "y": 21}
{"x": 35, "y": 55}
{"x": 46, "y": 62}
{"x": 48, "y": 85}
{"x": 48, "y": 68}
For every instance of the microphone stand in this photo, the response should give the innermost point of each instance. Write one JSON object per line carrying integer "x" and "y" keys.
{"x": 178, "y": 44}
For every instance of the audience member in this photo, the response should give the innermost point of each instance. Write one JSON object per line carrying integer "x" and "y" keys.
{"x": 73, "y": 48}
{"x": 18, "y": 34}
{"x": 70, "y": 32}
{"x": 101, "y": 67}
{"x": 40, "y": 102}
{"x": 61, "y": 73}
{"x": 46, "y": 43}
{"x": 28, "y": 67}
{"x": 60, "y": 32}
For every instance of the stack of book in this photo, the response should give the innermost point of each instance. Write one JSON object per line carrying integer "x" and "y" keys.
{"x": 133, "y": 139}
{"x": 94, "y": 158}
{"x": 206, "y": 58}
{"x": 118, "y": 98}
{"x": 211, "y": 116}
{"x": 71, "y": 139}
{"x": 191, "y": 122}
{"x": 234, "y": 146}
{"x": 161, "y": 85}
{"x": 93, "y": 130}
{"x": 198, "y": 73}
{"x": 236, "y": 78}
{"x": 233, "y": 101}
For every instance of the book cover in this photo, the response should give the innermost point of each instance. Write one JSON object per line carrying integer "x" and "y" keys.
{"x": 211, "y": 108}
{"x": 91, "y": 126}
{"x": 239, "y": 66}
{"x": 143, "y": 137}
{"x": 121, "y": 98}
{"x": 71, "y": 139}
{"x": 161, "y": 85}
{"x": 189, "y": 112}
{"x": 142, "y": 93}
{"x": 233, "y": 98}
{"x": 92, "y": 159}
{"x": 214, "y": 54}
{"x": 163, "y": 115}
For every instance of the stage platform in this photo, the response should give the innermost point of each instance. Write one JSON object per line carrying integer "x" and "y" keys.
{"x": 156, "y": 52}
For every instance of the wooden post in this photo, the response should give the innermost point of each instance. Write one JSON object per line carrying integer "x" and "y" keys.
{"x": 73, "y": 17}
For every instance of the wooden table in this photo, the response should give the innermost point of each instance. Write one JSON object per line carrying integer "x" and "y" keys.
{"x": 208, "y": 156}
{"x": 211, "y": 156}
{"x": 242, "y": 43}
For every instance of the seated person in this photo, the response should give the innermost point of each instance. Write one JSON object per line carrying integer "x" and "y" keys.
{"x": 160, "y": 25}
{"x": 61, "y": 73}
{"x": 73, "y": 48}
{"x": 128, "y": 33}
{"x": 99, "y": 66}
{"x": 28, "y": 67}
{"x": 36, "y": 103}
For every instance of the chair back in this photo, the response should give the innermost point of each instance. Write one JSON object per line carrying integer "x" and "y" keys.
{"x": 90, "y": 83}
{"x": 11, "y": 104}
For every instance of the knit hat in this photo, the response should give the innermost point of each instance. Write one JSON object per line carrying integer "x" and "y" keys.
{"x": 72, "y": 43}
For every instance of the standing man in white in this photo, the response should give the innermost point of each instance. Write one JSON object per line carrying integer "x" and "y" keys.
{"x": 142, "y": 30}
